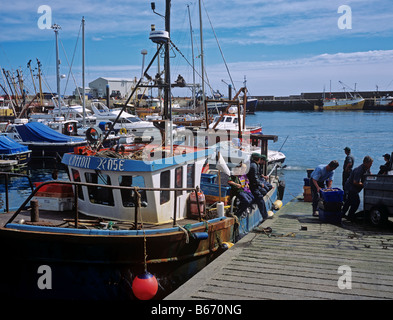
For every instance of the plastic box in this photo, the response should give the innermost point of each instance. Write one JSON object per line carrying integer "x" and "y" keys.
{"x": 212, "y": 189}
{"x": 330, "y": 217}
{"x": 208, "y": 178}
{"x": 332, "y": 195}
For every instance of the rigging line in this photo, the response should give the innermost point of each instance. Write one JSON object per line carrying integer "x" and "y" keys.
{"x": 219, "y": 47}
{"x": 174, "y": 46}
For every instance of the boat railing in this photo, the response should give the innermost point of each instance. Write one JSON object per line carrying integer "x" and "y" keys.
{"x": 137, "y": 197}
{"x": 7, "y": 176}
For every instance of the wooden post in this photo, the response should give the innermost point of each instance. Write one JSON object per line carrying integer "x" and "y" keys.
{"x": 34, "y": 213}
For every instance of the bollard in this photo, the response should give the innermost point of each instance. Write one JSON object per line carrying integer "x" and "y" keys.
{"x": 34, "y": 213}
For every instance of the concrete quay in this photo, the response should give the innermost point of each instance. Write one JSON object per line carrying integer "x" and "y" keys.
{"x": 301, "y": 258}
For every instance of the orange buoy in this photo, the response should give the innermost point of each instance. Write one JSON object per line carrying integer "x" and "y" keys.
{"x": 145, "y": 286}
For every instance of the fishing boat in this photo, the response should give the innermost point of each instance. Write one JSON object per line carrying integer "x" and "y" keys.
{"x": 230, "y": 121}
{"x": 353, "y": 102}
{"x": 235, "y": 152}
{"x": 11, "y": 150}
{"x": 138, "y": 211}
{"x": 342, "y": 104}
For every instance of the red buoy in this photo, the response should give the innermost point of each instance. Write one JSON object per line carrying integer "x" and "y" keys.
{"x": 145, "y": 286}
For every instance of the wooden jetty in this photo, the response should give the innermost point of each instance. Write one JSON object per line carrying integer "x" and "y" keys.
{"x": 301, "y": 258}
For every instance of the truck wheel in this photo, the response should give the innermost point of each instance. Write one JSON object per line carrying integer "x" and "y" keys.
{"x": 378, "y": 216}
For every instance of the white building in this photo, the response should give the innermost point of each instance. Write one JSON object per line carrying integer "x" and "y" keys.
{"x": 117, "y": 86}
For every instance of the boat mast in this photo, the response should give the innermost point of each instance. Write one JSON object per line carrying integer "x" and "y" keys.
{"x": 192, "y": 52}
{"x": 203, "y": 66}
{"x": 83, "y": 73}
{"x": 167, "y": 91}
{"x": 56, "y": 28}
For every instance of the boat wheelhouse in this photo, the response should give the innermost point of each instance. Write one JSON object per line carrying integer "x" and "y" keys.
{"x": 145, "y": 166}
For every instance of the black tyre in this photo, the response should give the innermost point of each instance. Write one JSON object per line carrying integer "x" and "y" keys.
{"x": 378, "y": 216}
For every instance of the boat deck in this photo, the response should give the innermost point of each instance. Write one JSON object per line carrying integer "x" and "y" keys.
{"x": 301, "y": 258}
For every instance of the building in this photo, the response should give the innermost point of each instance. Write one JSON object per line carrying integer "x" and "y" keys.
{"x": 78, "y": 91}
{"x": 118, "y": 87}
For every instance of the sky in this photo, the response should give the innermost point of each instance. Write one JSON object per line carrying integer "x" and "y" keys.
{"x": 279, "y": 47}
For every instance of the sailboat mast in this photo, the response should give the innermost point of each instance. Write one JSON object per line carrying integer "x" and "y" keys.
{"x": 56, "y": 28}
{"x": 83, "y": 73}
{"x": 193, "y": 66}
{"x": 203, "y": 64}
{"x": 167, "y": 92}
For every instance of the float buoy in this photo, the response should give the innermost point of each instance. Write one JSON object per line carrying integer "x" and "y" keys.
{"x": 145, "y": 286}
{"x": 277, "y": 204}
{"x": 226, "y": 245}
{"x": 270, "y": 213}
{"x": 123, "y": 131}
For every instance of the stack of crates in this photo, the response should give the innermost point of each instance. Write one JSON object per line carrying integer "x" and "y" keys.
{"x": 307, "y": 188}
{"x": 210, "y": 188}
{"x": 330, "y": 205}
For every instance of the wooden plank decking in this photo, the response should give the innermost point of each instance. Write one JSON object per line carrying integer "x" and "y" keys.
{"x": 291, "y": 263}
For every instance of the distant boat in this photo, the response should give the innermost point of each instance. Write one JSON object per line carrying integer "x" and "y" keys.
{"x": 69, "y": 112}
{"x": 12, "y": 150}
{"x": 230, "y": 121}
{"x": 127, "y": 122}
{"x": 354, "y": 102}
{"x": 43, "y": 141}
{"x": 342, "y": 104}
{"x": 383, "y": 103}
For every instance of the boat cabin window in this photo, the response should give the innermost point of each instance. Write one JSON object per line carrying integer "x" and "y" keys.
{"x": 235, "y": 120}
{"x": 127, "y": 196}
{"x": 190, "y": 175}
{"x": 132, "y": 119}
{"x": 99, "y": 195}
{"x": 179, "y": 180}
{"x": 228, "y": 119}
{"x": 218, "y": 118}
{"x": 77, "y": 178}
{"x": 165, "y": 182}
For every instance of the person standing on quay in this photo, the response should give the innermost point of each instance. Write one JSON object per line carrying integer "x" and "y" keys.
{"x": 354, "y": 185}
{"x": 348, "y": 164}
{"x": 321, "y": 175}
{"x": 256, "y": 186}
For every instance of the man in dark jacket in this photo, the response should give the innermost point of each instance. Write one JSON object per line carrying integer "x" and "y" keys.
{"x": 256, "y": 186}
{"x": 348, "y": 165}
{"x": 354, "y": 185}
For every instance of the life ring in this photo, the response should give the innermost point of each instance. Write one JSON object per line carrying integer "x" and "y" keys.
{"x": 70, "y": 128}
{"x": 123, "y": 131}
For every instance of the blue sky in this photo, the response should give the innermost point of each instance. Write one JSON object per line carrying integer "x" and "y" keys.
{"x": 282, "y": 47}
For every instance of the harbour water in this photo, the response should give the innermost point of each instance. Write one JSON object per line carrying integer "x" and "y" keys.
{"x": 312, "y": 138}
{"x": 318, "y": 137}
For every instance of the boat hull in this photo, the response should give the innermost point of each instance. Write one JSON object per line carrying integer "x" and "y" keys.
{"x": 102, "y": 266}
{"x": 22, "y": 158}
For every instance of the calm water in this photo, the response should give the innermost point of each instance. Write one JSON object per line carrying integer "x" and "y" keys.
{"x": 313, "y": 138}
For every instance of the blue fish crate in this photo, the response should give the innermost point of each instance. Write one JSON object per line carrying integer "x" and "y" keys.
{"x": 332, "y": 195}
{"x": 212, "y": 189}
{"x": 208, "y": 178}
{"x": 330, "y": 217}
